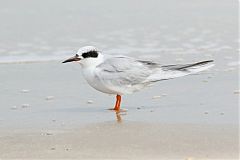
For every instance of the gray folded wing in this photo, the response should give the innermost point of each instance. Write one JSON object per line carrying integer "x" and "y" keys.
{"x": 127, "y": 74}
{"x": 124, "y": 72}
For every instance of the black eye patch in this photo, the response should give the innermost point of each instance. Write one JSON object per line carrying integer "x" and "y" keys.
{"x": 90, "y": 54}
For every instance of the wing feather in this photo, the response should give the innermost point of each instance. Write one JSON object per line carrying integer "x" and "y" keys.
{"x": 123, "y": 73}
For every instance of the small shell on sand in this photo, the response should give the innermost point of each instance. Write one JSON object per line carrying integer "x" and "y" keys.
{"x": 25, "y": 90}
{"x": 89, "y": 102}
{"x": 25, "y": 105}
{"x": 156, "y": 97}
{"x": 48, "y": 98}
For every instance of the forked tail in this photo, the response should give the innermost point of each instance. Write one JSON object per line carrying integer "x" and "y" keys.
{"x": 191, "y": 68}
{"x": 179, "y": 70}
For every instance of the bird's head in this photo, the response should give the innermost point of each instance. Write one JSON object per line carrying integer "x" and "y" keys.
{"x": 86, "y": 56}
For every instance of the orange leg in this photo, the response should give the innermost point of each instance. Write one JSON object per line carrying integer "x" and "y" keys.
{"x": 118, "y": 103}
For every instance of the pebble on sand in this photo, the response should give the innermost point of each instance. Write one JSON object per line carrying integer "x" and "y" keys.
{"x": 206, "y": 112}
{"x": 25, "y": 90}
{"x": 48, "y": 98}
{"x": 49, "y": 134}
{"x": 156, "y": 97}
{"x": 89, "y": 102}
{"x": 25, "y": 105}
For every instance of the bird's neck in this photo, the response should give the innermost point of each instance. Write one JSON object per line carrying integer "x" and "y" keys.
{"x": 93, "y": 62}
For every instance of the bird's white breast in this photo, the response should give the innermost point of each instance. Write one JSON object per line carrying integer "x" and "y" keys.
{"x": 92, "y": 79}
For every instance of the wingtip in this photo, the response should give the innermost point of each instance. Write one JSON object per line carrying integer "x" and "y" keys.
{"x": 208, "y": 61}
{"x": 204, "y": 62}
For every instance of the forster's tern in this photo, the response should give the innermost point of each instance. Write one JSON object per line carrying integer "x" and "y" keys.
{"x": 118, "y": 75}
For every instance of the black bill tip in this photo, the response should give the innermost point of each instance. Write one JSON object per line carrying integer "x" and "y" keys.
{"x": 66, "y": 61}
{"x": 75, "y": 58}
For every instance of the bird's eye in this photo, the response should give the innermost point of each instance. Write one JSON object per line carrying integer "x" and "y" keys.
{"x": 77, "y": 55}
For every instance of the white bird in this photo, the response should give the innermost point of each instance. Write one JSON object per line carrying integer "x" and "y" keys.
{"x": 119, "y": 75}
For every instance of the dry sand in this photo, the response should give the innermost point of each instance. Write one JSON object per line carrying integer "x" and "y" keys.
{"x": 127, "y": 140}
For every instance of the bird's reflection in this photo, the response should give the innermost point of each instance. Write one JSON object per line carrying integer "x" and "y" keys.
{"x": 119, "y": 115}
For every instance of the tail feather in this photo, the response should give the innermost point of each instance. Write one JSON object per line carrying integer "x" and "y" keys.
{"x": 174, "y": 71}
{"x": 185, "y": 67}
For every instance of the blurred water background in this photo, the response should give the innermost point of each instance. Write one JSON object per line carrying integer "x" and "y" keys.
{"x": 32, "y": 30}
